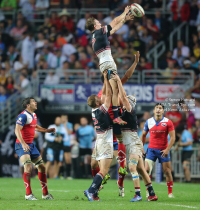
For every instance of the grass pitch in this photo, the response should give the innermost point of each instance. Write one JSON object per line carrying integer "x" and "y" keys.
{"x": 68, "y": 195}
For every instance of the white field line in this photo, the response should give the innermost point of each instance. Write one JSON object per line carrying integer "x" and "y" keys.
{"x": 184, "y": 206}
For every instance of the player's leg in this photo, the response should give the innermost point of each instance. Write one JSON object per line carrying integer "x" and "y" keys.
{"x": 147, "y": 181}
{"x": 169, "y": 180}
{"x": 186, "y": 168}
{"x": 94, "y": 166}
{"x": 50, "y": 160}
{"x": 56, "y": 163}
{"x": 67, "y": 156}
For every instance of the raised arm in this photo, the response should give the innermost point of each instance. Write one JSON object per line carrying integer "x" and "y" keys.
{"x": 120, "y": 17}
{"x": 131, "y": 70}
{"x": 108, "y": 97}
{"x": 44, "y": 130}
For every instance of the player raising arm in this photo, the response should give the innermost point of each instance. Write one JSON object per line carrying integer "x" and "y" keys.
{"x": 159, "y": 127}
{"x": 26, "y": 125}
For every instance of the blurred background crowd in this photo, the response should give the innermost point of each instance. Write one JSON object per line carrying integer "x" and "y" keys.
{"x": 50, "y": 35}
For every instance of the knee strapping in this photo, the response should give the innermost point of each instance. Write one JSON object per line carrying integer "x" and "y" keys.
{"x": 38, "y": 163}
{"x": 150, "y": 164}
{"x": 135, "y": 176}
{"x": 27, "y": 162}
{"x": 133, "y": 161}
{"x": 186, "y": 165}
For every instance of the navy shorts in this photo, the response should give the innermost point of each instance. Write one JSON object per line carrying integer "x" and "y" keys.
{"x": 115, "y": 145}
{"x": 153, "y": 154}
{"x": 56, "y": 155}
{"x": 34, "y": 153}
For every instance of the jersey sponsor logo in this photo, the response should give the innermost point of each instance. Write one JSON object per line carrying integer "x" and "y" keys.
{"x": 158, "y": 131}
{"x": 95, "y": 121}
{"x": 164, "y": 124}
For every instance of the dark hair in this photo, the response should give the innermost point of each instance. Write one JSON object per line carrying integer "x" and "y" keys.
{"x": 90, "y": 24}
{"x": 160, "y": 105}
{"x": 26, "y": 101}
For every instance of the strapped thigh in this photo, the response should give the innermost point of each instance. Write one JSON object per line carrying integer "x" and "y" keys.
{"x": 38, "y": 162}
{"x": 28, "y": 161}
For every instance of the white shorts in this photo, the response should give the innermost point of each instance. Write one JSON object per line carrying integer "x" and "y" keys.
{"x": 108, "y": 65}
{"x": 104, "y": 145}
{"x": 94, "y": 153}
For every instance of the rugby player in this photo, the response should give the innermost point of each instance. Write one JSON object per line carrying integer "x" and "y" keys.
{"x": 133, "y": 144}
{"x": 26, "y": 125}
{"x": 104, "y": 141}
{"x": 119, "y": 149}
{"x": 101, "y": 47}
{"x": 159, "y": 127}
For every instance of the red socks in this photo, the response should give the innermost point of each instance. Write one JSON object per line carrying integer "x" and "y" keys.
{"x": 121, "y": 180}
{"x": 43, "y": 181}
{"x": 170, "y": 185}
{"x": 121, "y": 154}
{"x": 95, "y": 171}
{"x": 27, "y": 183}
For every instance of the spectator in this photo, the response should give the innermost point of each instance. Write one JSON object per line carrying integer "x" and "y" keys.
{"x": 8, "y": 5}
{"x": 186, "y": 142}
{"x": 185, "y": 12}
{"x": 198, "y": 16}
{"x": 54, "y": 152}
{"x": 2, "y": 45}
{"x": 54, "y": 19}
{"x": 194, "y": 62}
{"x": 2, "y": 77}
{"x": 84, "y": 60}
{"x": 174, "y": 115}
{"x": 184, "y": 49}
{"x": 2, "y": 17}
{"x": 153, "y": 29}
{"x": 160, "y": 23}
{"x": 146, "y": 38}
{"x": 100, "y": 17}
{"x": 42, "y": 4}
{"x": 193, "y": 13}
{"x": 123, "y": 31}
{"x": 163, "y": 64}
{"x": 18, "y": 31}
{"x": 67, "y": 150}
{"x": 10, "y": 85}
{"x": 81, "y": 23}
{"x": 28, "y": 7}
{"x": 28, "y": 50}
{"x": 109, "y": 19}
{"x": 85, "y": 135}
{"x": 25, "y": 87}
{"x": 67, "y": 50}
{"x": 3, "y": 97}
{"x": 12, "y": 54}
{"x": 40, "y": 42}
{"x": 51, "y": 79}
{"x": 10, "y": 25}
{"x": 180, "y": 58}
{"x": 144, "y": 65}
{"x": 46, "y": 26}
{"x": 65, "y": 21}
{"x": 49, "y": 57}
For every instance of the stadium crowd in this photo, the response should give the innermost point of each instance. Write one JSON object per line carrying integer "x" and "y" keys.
{"x": 60, "y": 43}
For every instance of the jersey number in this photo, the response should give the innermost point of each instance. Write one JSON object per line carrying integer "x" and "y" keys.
{"x": 95, "y": 121}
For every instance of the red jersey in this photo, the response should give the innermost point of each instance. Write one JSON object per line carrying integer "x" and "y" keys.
{"x": 28, "y": 121}
{"x": 158, "y": 132}
{"x": 110, "y": 112}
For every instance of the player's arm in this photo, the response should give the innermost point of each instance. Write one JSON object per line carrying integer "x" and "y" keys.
{"x": 108, "y": 90}
{"x": 120, "y": 17}
{"x": 103, "y": 96}
{"x": 131, "y": 70}
{"x": 44, "y": 130}
{"x": 121, "y": 23}
{"x": 18, "y": 133}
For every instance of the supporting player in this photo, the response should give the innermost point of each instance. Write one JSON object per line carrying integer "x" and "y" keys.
{"x": 104, "y": 141}
{"x": 159, "y": 128}
{"x": 26, "y": 125}
{"x": 133, "y": 144}
{"x": 118, "y": 151}
{"x": 101, "y": 47}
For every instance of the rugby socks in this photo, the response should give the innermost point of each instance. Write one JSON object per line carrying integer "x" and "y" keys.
{"x": 43, "y": 181}
{"x": 121, "y": 154}
{"x": 150, "y": 189}
{"x": 170, "y": 185}
{"x": 68, "y": 169}
{"x": 27, "y": 183}
{"x": 121, "y": 179}
{"x": 115, "y": 111}
{"x": 96, "y": 183}
{"x": 137, "y": 191}
{"x": 95, "y": 171}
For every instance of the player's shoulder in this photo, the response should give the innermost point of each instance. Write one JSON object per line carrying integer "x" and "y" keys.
{"x": 165, "y": 119}
{"x": 150, "y": 121}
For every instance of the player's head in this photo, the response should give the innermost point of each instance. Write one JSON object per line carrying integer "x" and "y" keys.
{"x": 92, "y": 24}
{"x": 58, "y": 121}
{"x": 83, "y": 121}
{"x": 94, "y": 101}
{"x": 158, "y": 110}
{"x": 29, "y": 103}
{"x": 64, "y": 118}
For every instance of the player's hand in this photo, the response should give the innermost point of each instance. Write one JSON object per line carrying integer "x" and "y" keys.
{"x": 105, "y": 74}
{"x": 129, "y": 16}
{"x": 143, "y": 153}
{"x": 127, "y": 9}
{"x": 25, "y": 147}
{"x": 115, "y": 77}
{"x": 51, "y": 130}
{"x": 165, "y": 152}
{"x": 137, "y": 56}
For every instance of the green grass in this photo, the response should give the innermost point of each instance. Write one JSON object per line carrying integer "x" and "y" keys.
{"x": 68, "y": 194}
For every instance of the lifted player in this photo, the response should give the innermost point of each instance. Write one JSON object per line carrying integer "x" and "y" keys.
{"x": 104, "y": 141}
{"x": 26, "y": 125}
{"x": 159, "y": 127}
{"x": 101, "y": 47}
{"x": 119, "y": 149}
{"x": 133, "y": 144}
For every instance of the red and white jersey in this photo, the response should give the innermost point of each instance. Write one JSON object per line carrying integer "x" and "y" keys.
{"x": 158, "y": 132}
{"x": 28, "y": 121}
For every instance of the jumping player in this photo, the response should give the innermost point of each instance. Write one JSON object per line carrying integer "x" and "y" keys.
{"x": 119, "y": 149}
{"x": 133, "y": 144}
{"x": 26, "y": 125}
{"x": 101, "y": 47}
{"x": 159, "y": 127}
{"x": 104, "y": 141}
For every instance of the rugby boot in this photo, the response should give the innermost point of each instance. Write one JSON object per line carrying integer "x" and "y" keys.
{"x": 48, "y": 197}
{"x": 136, "y": 198}
{"x": 30, "y": 197}
{"x": 123, "y": 171}
{"x": 152, "y": 198}
{"x": 106, "y": 178}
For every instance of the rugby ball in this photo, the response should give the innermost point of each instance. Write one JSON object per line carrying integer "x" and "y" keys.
{"x": 137, "y": 10}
